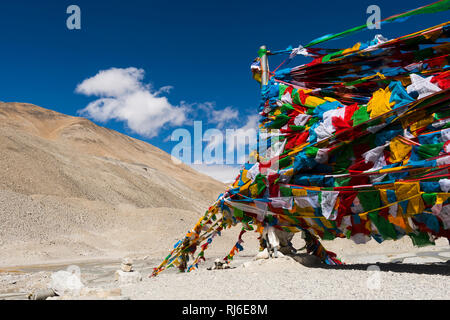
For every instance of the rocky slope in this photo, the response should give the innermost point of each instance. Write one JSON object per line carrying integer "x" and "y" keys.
{"x": 70, "y": 188}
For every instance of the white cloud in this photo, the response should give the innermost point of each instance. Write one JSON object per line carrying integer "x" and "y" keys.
{"x": 248, "y": 130}
{"x": 223, "y": 116}
{"x": 244, "y": 137}
{"x": 113, "y": 82}
{"x": 219, "y": 117}
{"x": 223, "y": 173}
{"x": 239, "y": 139}
{"x": 124, "y": 97}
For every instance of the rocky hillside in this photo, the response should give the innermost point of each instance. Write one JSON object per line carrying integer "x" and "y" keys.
{"x": 69, "y": 187}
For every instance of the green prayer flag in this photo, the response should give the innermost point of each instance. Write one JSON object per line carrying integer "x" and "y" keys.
{"x": 421, "y": 240}
{"x": 361, "y": 115}
{"x": 238, "y": 213}
{"x": 426, "y": 151}
{"x": 328, "y": 235}
{"x": 429, "y": 198}
{"x": 386, "y": 229}
{"x": 285, "y": 192}
{"x": 311, "y": 151}
{"x": 369, "y": 200}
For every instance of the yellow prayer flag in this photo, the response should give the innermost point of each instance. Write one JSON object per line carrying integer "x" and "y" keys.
{"x": 379, "y": 104}
{"x": 399, "y": 150}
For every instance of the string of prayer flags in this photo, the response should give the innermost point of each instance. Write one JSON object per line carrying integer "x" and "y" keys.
{"x": 357, "y": 146}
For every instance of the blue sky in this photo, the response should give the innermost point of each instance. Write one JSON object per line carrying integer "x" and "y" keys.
{"x": 202, "y": 50}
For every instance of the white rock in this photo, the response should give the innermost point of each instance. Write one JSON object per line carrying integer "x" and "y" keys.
{"x": 262, "y": 254}
{"x": 66, "y": 283}
{"x": 42, "y": 294}
{"x": 126, "y": 267}
{"x": 125, "y": 278}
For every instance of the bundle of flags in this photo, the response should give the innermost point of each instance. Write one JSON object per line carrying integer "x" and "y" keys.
{"x": 354, "y": 144}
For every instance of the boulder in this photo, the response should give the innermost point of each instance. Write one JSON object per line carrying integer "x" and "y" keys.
{"x": 66, "y": 283}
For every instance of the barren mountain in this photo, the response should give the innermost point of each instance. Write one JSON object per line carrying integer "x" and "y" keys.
{"x": 70, "y": 188}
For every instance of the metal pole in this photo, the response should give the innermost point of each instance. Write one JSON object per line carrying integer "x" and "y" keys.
{"x": 264, "y": 67}
{"x": 264, "y": 81}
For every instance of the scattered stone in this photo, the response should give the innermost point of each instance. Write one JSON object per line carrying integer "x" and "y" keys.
{"x": 42, "y": 294}
{"x": 126, "y": 268}
{"x": 126, "y": 275}
{"x": 265, "y": 254}
{"x": 127, "y": 265}
{"x": 262, "y": 254}
{"x": 126, "y": 278}
{"x": 219, "y": 265}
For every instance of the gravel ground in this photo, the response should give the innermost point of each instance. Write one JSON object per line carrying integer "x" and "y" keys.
{"x": 285, "y": 278}
{"x": 423, "y": 276}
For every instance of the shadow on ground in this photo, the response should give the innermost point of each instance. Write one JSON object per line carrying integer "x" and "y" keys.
{"x": 436, "y": 268}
